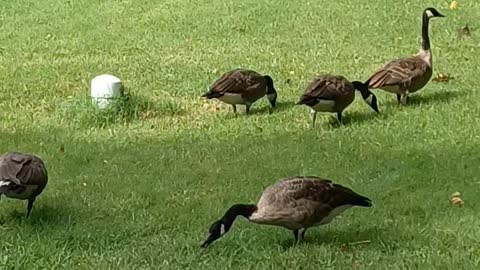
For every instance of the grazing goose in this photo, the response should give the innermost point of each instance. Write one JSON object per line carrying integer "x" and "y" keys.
{"x": 329, "y": 93}
{"x": 242, "y": 86}
{"x": 22, "y": 176}
{"x": 296, "y": 203}
{"x": 409, "y": 74}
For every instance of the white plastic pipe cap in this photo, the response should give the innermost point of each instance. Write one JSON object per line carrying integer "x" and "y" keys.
{"x": 103, "y": 88}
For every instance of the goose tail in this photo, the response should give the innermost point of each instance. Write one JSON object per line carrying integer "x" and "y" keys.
{"x": 362, "y": 201}
{"x": 211, "y": 94}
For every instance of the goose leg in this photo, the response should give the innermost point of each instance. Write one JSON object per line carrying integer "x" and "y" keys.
{"x": 302, "y": 233}
{"x": 29, "y": 206}
{"x": 404, "y": 98}
{"x": 339, "y": 117}
{"x": 399, "y": 98}
{"x": 234, "y": 108}
{"x": 248, "y": 108}
{"x": 314, "y": 117}
{"x": 295, "y": 234}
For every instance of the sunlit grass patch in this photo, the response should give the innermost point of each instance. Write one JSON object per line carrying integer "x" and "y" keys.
{"x": 81, "y": 110}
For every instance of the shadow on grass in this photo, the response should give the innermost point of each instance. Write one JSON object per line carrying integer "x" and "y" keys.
{"x": 348, "y": 118}
{"x": 360, "y": 117}
{"x": 259, "y": 109}
{"x": 437, "y": 97}
{"x": 427, "y": 170}
{"x": 321, "y": 236}
{"x": 41, "y": 215}
{"x": 428, "y": 98}
{"x": 279, "y": 107}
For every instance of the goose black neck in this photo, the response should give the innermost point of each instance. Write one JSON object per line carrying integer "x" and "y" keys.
{"x": 362, "y": 88}
{"x": 269, "y": 82}
{"x": 245, "y": 210}
{"x": 425, "y": 38}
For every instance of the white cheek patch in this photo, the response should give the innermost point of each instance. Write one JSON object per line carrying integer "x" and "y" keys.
{"x": 222, "y": 229}
{"x": 429, "y": 14}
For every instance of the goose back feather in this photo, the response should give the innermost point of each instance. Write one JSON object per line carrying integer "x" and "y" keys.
{"x": 22, "y": 176}
{"x": 329, "y": 89}
{"x": 247, "y": 84}
{"x": 302, "y": 202}
{"x": 405, "y": 74}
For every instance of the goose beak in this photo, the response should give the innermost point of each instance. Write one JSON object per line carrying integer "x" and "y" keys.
{"x": 207, "y": 242}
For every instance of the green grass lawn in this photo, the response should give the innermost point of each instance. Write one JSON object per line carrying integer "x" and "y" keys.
{"x": 140, "y": 192}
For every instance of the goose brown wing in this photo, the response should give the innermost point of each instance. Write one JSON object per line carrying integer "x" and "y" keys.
{"x": 256, "y": 86}
{"x": 313, "y": 189}
{"x": 23, "y": 169}
{"x": 400, "y": 72}
{"x": 325, "y": 88}
{"x": 237, "y": 81}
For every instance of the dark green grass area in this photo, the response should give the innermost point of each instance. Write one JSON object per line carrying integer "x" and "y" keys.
{"x": 136, "y": 187}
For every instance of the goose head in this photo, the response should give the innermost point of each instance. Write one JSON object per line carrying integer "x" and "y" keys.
{"x": 431, "y": 12}
{"x": 367, "y": 95}
{"x": 216, "y": 230}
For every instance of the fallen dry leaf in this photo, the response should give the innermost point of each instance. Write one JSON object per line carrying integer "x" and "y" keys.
{"x": 453, "y": 5}
{"x": 61, "y": 149}
{"x": 344, "y": 247}
{"x": 441, "y": 77}
{"x": 456, "y": 200}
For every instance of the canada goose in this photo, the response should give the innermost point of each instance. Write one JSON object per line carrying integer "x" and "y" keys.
{"x": 296, "y": 203}
{"x": 330, "y": 93}
{"x": 22, "y": 176}
{"x": 241, "y": 86}
{"x": 409, "y": 74}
